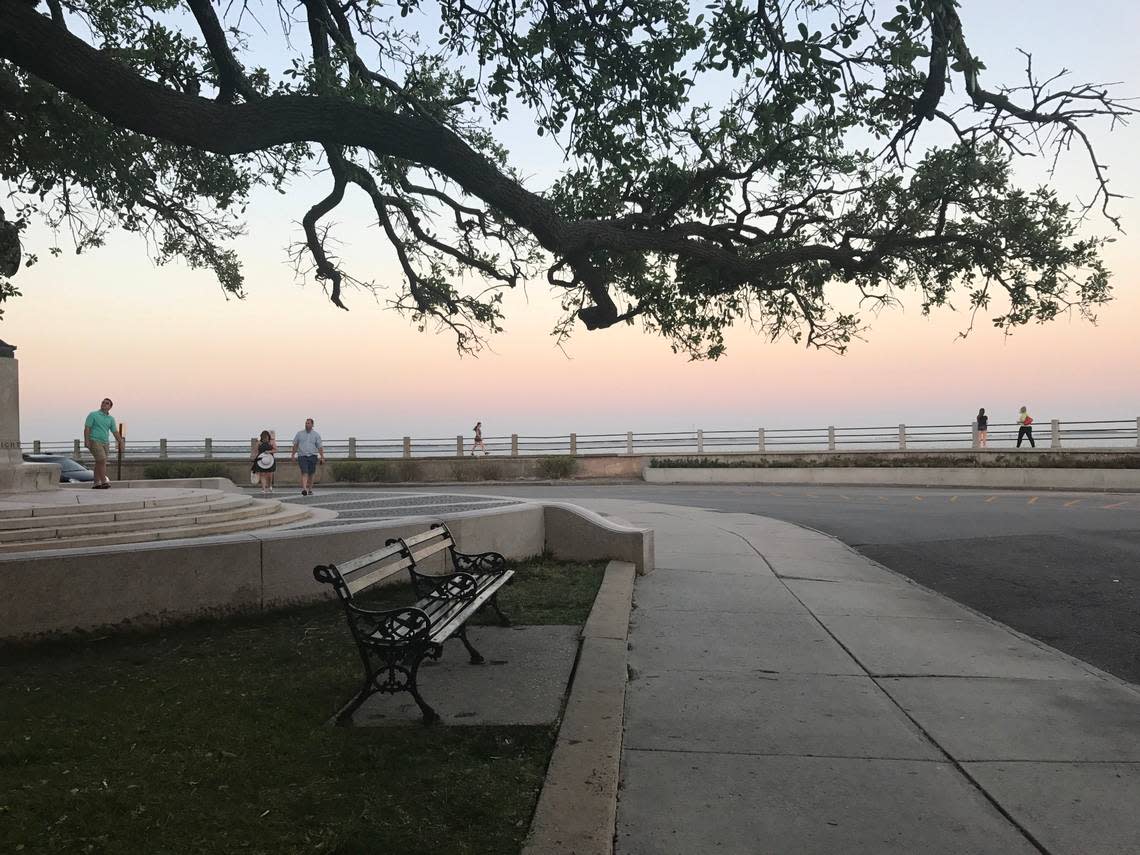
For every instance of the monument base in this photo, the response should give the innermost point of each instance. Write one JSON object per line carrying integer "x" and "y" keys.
{"x": 16, "y": 476}
{"x": 20, "y": 477}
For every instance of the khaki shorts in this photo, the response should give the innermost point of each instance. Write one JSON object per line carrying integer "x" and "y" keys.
{"x": 98, "y": 451}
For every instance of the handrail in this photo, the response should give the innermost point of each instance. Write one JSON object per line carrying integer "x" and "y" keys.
{"x": 1055, "y": 434}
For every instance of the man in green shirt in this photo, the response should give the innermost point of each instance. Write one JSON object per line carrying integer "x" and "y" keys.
{"x": 97, "y": 431}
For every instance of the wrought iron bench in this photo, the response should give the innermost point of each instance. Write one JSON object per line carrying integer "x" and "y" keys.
{"x": 394, "y": 642}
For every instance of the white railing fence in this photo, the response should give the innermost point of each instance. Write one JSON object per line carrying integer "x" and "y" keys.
{"x": 1110, "y": 434}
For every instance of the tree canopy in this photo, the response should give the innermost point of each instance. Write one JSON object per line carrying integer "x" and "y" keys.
{"x": 788, "y": 164}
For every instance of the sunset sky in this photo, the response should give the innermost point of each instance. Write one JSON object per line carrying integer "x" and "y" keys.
{"x": 181, "y": 361}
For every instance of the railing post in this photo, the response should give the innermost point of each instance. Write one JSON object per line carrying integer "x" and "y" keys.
{"x": 35, "y": 446}
{"x": 831, "y": 437}
{"x": 458, "y": 446}
{"x": 974, "y": 434}
{"x": 700, "y": 442}
{"x": 902, "y": 437}
{"x": 407, "y": 446}
{"x": 514, "y": 445}
{"x": 209, "y": 451}
{"x": 573, "y": 445}
{"x": 162, "y": 448}
{"x": 1138, "y": 431}
{"x": 629, "y": 442}
{"x": 1055, "y": 433}
{"x": 760, "y": 439}
{"x": 253, "y": 443}
{"x": 352, "y": 448}
{"x": 75, "y": 451}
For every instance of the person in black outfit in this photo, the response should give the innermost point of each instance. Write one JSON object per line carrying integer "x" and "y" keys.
{"x": 265, "y": 462}
{"x": 983, "y": 427}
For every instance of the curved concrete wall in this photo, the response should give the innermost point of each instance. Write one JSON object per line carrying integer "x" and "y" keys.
{"x": 147, "y": 585}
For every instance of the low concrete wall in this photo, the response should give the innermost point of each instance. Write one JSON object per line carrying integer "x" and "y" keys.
{"x": 65, "y": 591}
{"x": 931, "y": 458}
{"x": 422, "y": 470}
{"x": 984, "y": 477}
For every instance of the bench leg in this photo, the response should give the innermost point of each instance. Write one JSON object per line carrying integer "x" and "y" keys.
{"x": 430, "y": 715}
{"x": 344, "y": 717}
{"x": 503, "y": 619}
{"x": 476, "y": 656}
{"x": 401, "y": 677}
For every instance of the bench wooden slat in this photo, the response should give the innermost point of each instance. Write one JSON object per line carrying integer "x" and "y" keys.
{"x": 422, "y": 552}
{"x": 370, "y": 558}
{"x": 427, "y": 535}
{"x": 445, "y": 631}
{"x": 362, "y": 580}
{"x": 447, "y": 615}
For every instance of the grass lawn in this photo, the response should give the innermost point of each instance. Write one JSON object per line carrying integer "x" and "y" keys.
{"x": 213, "y": 738}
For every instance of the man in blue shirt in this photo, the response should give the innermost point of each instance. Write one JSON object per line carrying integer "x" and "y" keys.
{"x": 307, "y": 448}
{"x": 97, "y": 431}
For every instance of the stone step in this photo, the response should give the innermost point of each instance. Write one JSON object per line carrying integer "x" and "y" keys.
{"x": 279, "y": 514}
{"x": 67, "y": 503}
{"x": 217, "y": 502}
{"x": 173, "y": 517}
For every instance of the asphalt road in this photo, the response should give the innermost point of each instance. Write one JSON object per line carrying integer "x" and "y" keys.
{"x": 1061, "y": 567}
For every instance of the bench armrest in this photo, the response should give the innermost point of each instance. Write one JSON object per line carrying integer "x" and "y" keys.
{"x": 391, "y": 626}
{"x": 480, "y": 563}
{"x": 452, "y": 586}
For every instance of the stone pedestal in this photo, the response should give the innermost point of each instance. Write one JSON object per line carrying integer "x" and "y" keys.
{"x": 16, "y": 476}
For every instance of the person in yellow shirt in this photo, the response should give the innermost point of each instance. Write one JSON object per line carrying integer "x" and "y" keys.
{"x": 1025, "y": 428}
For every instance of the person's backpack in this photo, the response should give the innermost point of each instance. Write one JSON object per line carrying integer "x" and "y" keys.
{"x": 1028, "y": 419}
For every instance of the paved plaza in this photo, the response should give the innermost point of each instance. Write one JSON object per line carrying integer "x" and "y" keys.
{"x": 363, "y": 505}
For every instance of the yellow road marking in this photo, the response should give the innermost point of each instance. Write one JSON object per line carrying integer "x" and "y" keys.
{"x": 953, "y": 498}
{"x": 1117, "y": 505}
{"x": 918, "y": 498}
{"x": 1073, "y": 502}
{"x": 848, "y": 498}
{"x": 884, "y": 498}
{"x": 1032, "y": 501}
{"x": 812, "y": 495}
{"x": 991, "y": 499}
{"x": 781, "y": 495}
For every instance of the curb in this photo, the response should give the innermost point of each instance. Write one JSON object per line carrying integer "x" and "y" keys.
{"x": 577, "y": 809}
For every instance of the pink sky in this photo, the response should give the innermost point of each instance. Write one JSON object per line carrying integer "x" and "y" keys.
{"x": 182, "y": 362}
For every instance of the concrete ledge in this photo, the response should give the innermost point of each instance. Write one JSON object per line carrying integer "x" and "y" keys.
{"x": 1042, "y": 478}
{"x": 577, "y": 809}
{"x": 609, "y": 618}
{"x": 61, "y": 591}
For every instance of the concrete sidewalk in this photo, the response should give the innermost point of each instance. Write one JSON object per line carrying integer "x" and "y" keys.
{"x": 788, "y": 695}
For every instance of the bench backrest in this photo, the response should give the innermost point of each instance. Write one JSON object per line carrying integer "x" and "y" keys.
{"x": 427, "y": 543}
{"x": 351, "y": 577}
